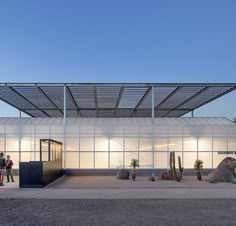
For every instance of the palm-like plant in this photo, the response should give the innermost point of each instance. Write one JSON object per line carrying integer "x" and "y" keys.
{"x": 134, "y": 163}
{"x": 198, "y": 165}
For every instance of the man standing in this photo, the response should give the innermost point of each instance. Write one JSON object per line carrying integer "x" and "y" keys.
{"x": 2, "y": 168}
{"x": 9, "y": 169}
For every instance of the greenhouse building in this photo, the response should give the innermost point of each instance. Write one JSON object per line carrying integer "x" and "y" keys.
{"x": 104, "y": 126}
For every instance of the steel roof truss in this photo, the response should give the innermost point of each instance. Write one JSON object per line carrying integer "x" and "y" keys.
{"x": 39, "y": 88}
{"x": 187, "y": 100}
{"x": 19, "y": 94}
{"x": 141, "y": 100}
{"x": 217, "y": 96}
{"x": 118, "y": 99}
{"x": 73, "y": 100}
{"x": 95, "y": 100}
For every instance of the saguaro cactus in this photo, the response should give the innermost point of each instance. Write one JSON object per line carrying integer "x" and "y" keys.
{"x": 174, "y": 170}
{"x": 172, "y": 167}
{"x": 181, "y": 168}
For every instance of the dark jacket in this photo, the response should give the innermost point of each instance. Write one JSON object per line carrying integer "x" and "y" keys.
{"x": 9, "y": 164}
{"x": 2, "y": 163}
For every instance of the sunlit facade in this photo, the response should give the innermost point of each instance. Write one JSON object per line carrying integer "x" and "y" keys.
{"x": 111, "y": 143}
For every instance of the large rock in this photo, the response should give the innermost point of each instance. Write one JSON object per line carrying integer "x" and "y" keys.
{"x": 123, "y": 174}
{"x": 224, "y": 171}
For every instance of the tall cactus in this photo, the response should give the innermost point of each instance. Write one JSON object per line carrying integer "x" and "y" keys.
{"x": 174, "y": 170}
{"x": 171, "y": 165}
{"x": 181, "y": 169}
{"x": 173, "y": 173}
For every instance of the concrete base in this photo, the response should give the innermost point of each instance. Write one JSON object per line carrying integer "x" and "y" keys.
{"x": 113, "y": 172}
{"x": 101, "y": 187}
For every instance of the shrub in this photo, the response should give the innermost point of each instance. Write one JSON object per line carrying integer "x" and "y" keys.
{"x": 152, "y": 178}
{"x": 134, "y": 163}
{"x": 212, "y": 180}
{"x": 234, "y": 181}
{"x": 198, "y": 164}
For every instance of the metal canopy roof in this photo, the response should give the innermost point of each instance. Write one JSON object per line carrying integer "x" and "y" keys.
{"x": 111, "y": 99}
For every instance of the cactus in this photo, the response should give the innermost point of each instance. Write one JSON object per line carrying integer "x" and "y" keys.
{"x": 171, "y": 165}
{"x": 173, "y": 173}
{"x": 181, "y": 169}
{"x": 174, "y": 170}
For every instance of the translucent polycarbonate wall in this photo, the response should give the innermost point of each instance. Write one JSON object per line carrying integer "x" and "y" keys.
{"x": 112, "y": 143}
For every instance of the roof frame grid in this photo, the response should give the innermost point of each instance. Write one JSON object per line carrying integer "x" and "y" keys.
{"x": 73, "y": 100}
{"x": 95, "y": 100}
{"x": 118, "y": 100}
{"x": 23, "y": 97}
{"x": 141, "y": 100}
{"x": 187, "y": 100}
{"x": 163, "y": 101}
{"x": 131, "y": 96}
{"x": 111, "y": 99}
{"x": 216, "y": 96}
{"x": 39, "y": 88}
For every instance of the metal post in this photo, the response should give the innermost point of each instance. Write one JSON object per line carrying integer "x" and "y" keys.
{"x": 49, "y": 150}
{"x": 34, "y": 143}
{"x": 49, "y": 145}
{"x": 94, "y": 146}
{"x": 192, "y": 113}
{"x": 227, "y": 148}
{"x": 167, "y": 160}
{"x": 109, "y": 155}
{"x": 212, "y": 145}
{"x": 64, "y": 104}
{"x": 64, "y": 135}
{"x": 153, "y": 142}
{"x": 5, "y": 139}
{"x": 79, "y": 145}
{"x": 123, "y": 146}
{"x": 40, "y": 150}
{"x": 153, "y": 137}
{"x": 197, "y": 142}
{"x": 64, "y": 145}
{"x": 138, "y": 142}
{"x": 153, "y": 113}
{"x": 168, "y": 150}
{"x": 20, "y": 144}
{"x": 182, "y": 147}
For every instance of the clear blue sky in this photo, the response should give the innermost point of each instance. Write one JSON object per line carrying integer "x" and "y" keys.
{"x": 120, "y": 41}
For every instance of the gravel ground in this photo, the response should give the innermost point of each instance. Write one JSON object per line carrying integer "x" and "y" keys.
{"x": 30, "y": 212}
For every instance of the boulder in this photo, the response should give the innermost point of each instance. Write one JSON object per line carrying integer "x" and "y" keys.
{"x": 224, "y": 171}
{"x": 123, "y": 174}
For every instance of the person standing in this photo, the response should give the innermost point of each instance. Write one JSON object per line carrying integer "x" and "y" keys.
{"x": 9, "y": 169}
{"x": 2, "y": 168}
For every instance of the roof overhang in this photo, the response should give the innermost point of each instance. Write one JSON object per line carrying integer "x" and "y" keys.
{"x": 108, "y": 100}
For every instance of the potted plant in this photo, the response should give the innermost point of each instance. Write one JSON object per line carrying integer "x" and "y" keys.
{"x": 198, "y": 166}
{"x": 134, "y": 163}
